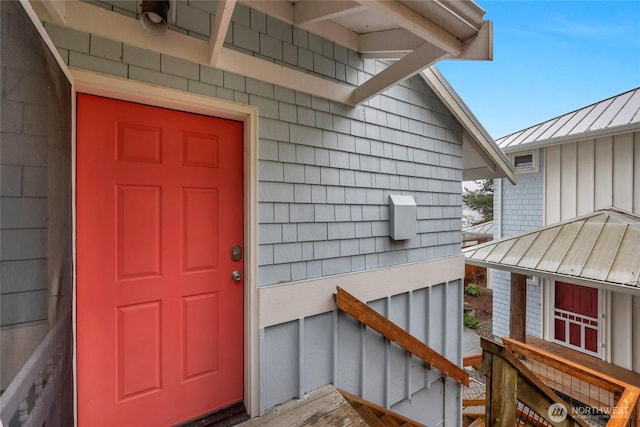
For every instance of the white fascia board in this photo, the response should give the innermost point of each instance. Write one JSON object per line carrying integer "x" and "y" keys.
{"x": 468, "y": 12}
{"x": 480, "y": 46}
{"x": 482, "y": 139}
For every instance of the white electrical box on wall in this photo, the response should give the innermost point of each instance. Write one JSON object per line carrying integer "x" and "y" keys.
{"x": 402, "y": 217}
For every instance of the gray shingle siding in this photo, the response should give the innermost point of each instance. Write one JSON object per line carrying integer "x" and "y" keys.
{"x": 23, "y": 188}
{"x": 346, "y": 161}
{"x": 518, "y": 209}
{"x": 325, "y": 173}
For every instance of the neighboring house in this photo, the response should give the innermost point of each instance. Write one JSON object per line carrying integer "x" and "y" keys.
{"x": 476, "y": 234}
{"x": 572, "y": 225}
{"x": 178, "y": 208}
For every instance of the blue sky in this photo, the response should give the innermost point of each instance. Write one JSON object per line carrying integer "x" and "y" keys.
{"x": 550, "y": 58}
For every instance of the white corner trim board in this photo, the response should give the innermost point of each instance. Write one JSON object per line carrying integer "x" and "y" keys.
{"x": 294, "y": 300}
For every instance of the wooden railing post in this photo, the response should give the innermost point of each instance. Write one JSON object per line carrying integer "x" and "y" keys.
{"x": 510, "y": 381}
{"x": 504, "y": 379}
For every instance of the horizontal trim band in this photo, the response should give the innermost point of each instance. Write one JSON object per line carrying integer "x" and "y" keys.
{"x": 294, "y": 300}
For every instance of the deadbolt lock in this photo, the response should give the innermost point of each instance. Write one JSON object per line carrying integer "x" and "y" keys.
{"x": 236, "y": 253}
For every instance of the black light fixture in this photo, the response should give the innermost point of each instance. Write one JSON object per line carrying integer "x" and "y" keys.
{"x": 154, "y": 15}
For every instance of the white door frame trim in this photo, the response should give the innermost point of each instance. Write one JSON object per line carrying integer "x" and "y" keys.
{"x": 133, "y": 91}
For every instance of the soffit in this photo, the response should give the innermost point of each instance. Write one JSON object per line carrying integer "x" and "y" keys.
{"x": 412, "y": 35}
{"x": 415, "y": 34}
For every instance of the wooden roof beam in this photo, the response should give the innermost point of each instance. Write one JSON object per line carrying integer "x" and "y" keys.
{"x": 409, "y": 65}
{"x": 219, "y": 27}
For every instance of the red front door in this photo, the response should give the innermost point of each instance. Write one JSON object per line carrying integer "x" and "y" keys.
{"x": 159, "y": 318}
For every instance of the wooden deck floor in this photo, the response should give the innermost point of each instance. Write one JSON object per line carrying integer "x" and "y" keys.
{"x": 328, "y": 406}
{"x": 322, "y": 407}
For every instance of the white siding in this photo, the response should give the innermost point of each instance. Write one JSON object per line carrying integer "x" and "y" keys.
{"x": 636, "y": 174}
{"x": 553, "y": 193}
{"x": 623, "y": 172}
{"x": 569, "y": 179}
{"x": 621, "y": 330}
{"x": 588, "y": 175}
{"x": 595, "y": 174}
{"x": 604, "y": 172}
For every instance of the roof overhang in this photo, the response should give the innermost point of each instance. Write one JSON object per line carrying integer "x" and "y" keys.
{"x": 412, "y": 35}
{"x": 599, "y": 250}
{"x": 481, "y": 156}
{"x": 600, "y": 133}
{"x": 609, "y": 117}
{"x": 415, "y": 34}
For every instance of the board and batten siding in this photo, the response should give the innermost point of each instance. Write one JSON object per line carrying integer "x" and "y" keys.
{"x": 584, "y": 176}
{"x": 301, "y": 355}
{"x": 325, "y": 173}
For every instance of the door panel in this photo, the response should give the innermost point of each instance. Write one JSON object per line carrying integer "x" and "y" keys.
{"x": 159, "y": 319}
{"x": 575, "y": 316}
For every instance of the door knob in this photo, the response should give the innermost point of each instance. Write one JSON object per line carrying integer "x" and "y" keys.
{"x": 236, "y": 276}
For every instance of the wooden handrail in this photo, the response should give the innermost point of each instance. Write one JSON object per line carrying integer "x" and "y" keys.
{"x": 623, "y": 412}
{"x": 474, "y": 401}
{"x": 371, "y": 318}
{"x": 567, "y": 366}
{"x": 474, "y": 360}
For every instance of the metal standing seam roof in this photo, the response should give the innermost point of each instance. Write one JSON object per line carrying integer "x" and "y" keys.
{"x": 600, "y": 249}
{"x": 618, "y": 113}
{"x": 486, "y": 228}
